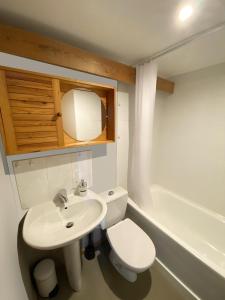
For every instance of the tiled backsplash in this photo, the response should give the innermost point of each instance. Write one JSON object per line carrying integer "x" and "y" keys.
{"x": 40, "y": 179}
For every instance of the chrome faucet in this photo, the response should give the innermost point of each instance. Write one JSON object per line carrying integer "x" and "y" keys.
{"x": 62, "y": 196}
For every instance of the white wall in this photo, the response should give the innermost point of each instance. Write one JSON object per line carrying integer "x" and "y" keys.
{"x": 123, "y": 99}
{"x": 161, "y": 98}
{"x": 11, "y": 285}
{"x": 189, "y": 141}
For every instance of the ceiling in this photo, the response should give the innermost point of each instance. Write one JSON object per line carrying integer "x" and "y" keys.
{"x": 123, "y": 30}
{"x": 201, "y": 53}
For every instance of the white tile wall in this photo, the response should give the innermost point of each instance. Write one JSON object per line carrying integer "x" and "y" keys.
{"x": 40, "y": 179}
{"x": 32, "y": 181}
{"x": 82, "y": 167}
{"x": 59, "y": 173}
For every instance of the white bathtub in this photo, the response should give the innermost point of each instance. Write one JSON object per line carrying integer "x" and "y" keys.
{"x": 189, "y": 240}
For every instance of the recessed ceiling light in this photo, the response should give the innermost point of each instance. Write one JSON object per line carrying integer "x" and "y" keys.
{"x": 185, "y": 12}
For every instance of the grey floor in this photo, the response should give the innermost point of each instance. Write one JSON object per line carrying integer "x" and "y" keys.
{"x": 100, "y": 281}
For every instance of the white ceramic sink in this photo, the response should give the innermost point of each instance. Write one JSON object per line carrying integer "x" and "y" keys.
{"x": 45, "y": 225}
{"x": 48, "y": 226}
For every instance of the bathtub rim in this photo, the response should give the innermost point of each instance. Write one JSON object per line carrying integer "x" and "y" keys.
{"x": 173, "y": 236}
{"x": 207, "y": 211}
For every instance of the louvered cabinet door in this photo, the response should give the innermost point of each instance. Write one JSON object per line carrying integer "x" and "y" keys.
{"x": 30, "y": 112}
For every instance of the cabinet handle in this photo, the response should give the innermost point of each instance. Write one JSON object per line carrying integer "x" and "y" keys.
{"x": 57, "y": 115}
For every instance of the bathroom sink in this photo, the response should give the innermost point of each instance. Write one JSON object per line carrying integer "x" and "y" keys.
{"x": 47, "y": 226}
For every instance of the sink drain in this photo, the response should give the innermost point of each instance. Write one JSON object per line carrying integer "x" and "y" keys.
{"x": 69, "y": 225}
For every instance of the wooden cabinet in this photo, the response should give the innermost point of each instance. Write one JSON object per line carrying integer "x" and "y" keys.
{"x": 30, "y": 111}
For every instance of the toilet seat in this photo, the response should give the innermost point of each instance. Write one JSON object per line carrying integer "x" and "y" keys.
{"x": 132, "y": 245}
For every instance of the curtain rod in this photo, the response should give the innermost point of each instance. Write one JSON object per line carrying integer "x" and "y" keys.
{"x": 182, "y": 43}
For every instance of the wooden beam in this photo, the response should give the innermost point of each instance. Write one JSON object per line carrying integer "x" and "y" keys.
{"x": 165, "y": 85}
{"x": 42, "y": 48}
{"x": 39, "y": 47}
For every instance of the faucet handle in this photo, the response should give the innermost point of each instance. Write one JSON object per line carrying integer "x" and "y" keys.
{"x": 62, "y": 195}
{"x": 63, "y": 192}
{"x": 61, "y": 199}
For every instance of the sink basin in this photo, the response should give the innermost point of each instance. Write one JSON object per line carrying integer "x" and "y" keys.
{"x": 47, "y": 226}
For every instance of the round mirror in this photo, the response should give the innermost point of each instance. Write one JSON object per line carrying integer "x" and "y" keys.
{"x": 83, "y": 115}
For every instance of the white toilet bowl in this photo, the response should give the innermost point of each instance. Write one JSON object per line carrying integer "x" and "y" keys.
{"x": 132, "y": 251}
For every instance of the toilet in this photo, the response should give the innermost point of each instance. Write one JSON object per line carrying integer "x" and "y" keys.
{"x": 132, "y": 251}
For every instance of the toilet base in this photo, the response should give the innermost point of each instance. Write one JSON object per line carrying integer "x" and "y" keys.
{"x": 127, "y": 274}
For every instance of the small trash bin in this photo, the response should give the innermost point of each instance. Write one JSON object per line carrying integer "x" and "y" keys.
{"x": 45, "y": 277}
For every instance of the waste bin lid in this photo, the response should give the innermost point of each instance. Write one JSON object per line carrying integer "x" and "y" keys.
{"x": 44, "y": 269}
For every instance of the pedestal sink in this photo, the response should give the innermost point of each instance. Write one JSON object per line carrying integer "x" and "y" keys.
{"x": 47, "y": 226}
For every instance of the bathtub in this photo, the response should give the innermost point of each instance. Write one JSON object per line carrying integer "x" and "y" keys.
{"x": 189, "y": 241}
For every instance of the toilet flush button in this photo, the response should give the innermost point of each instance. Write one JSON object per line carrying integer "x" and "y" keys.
{"x": 110, "y": 193}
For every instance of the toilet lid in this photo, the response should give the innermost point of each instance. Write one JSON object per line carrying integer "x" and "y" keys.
{"x": 132, "y": 245}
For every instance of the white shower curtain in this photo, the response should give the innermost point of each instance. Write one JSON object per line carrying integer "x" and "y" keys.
{"x": 139, "y": 181}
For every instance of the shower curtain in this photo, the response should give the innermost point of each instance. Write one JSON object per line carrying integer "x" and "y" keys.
{"x": 139, "y": 180}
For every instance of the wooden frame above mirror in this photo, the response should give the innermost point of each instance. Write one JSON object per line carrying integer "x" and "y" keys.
{"x": 30, "y": 110}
